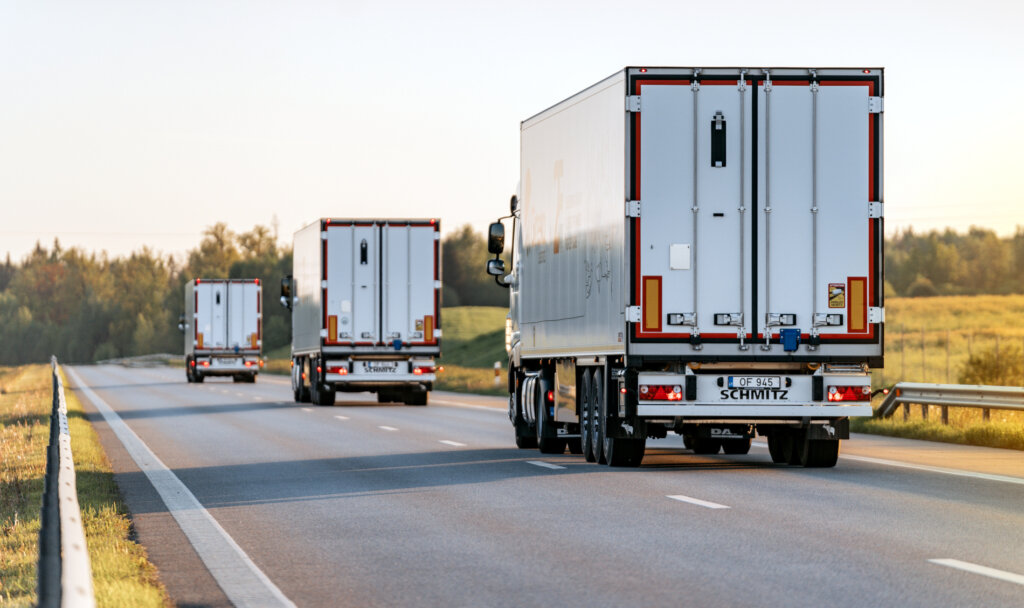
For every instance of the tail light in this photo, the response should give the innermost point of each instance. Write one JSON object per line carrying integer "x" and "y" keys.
{"x": 193, "y": 363}
{"x": 661, "y": 392}
{"x": 248, "y": 363}
{"x": 206, "y": 364}
{"x": 338, "y": 369}
{"x": 419, "y": 370}
{"x": 849, "y": 393}
{"x": 551, "y": 396}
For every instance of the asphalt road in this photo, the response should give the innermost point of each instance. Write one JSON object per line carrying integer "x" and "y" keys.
{"x": 363, "y": 504}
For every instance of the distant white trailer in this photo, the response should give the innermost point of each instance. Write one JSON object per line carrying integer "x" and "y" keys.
{"x": 698, "y": 251}
{"x": 223, "y": 327}
{"x": 365, "y": 296}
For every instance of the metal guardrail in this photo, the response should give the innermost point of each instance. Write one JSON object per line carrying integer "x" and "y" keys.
{"x": 952, "y": 395}
{"x": 65, "y": 574}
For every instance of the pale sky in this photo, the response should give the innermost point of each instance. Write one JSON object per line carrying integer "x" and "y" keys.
{"x": 130, "y": 123}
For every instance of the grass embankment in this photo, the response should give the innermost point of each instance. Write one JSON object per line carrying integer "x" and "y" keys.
{"x": 122, "y": 575}
{"x": 931, "y": 340}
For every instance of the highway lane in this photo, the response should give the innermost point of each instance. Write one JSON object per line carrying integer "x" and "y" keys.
{"x": 388, "y": 505}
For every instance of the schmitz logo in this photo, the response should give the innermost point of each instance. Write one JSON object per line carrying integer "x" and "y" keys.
{"x": 381, "y": 369}
{"x": 756, "y": 393}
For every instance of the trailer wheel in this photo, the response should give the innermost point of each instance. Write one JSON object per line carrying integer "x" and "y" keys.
{"x": 526, "y": 443}
{"x": 575, "y": 445}
{"x": 597, "y": 417}
{"x": 621, "y": 452}
{"x": 797, "y": 446}
{"x": 777, "y": 447}
{"x": 736, "y": 446}
{"x": 526, "y": 439}
{"x": 586, "y": 417}
{"x": 384, "y": 397}
{"x": 416, "y": 398}
{"x": 197, "y": 377}
{"x": 188, "y": 369}
{"x": 546, "y": 445}
{"x": 821, "y": 453}
{"x": 702, "y": 445}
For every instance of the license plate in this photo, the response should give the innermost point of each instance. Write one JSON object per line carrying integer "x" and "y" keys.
{"x": 755, "y": 382}
{"x": 227, "y": 361}
{"x": 379, "y": 367}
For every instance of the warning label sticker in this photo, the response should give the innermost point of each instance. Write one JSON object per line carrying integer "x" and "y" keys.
{"x": 837, "y": 295}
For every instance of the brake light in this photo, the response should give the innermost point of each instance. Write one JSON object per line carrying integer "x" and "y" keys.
{"x": 343, "y": 371}
{"x": 551, "y": 396}
{"x": 661, "y": 392}
{"x": 193, "y": 363}
{"x": 849, "y": 393}
{"x": 206, "y": 364}
{"x": 248, "y": 363}
{"x": 419, "y": 370}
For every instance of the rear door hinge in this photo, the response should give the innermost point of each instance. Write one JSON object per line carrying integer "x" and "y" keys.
{"x": 876, "y": 314}
{"x": 632, "y": 103}
{"x": 632, "y": 208}
{"x": 632, "y": 314}
{"x": 875, "y": 105}
{"x": 875, "y": 209}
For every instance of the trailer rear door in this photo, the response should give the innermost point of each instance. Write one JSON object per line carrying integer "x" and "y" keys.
{"x": 758, "y": 212}
{"x": 243, "y": 314}
{"x": 409, "y": 285}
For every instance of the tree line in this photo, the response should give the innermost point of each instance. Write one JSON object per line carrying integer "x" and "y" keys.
{"x": 87, "y": 307}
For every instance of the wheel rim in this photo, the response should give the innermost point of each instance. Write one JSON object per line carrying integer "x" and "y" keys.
{"x": 596, "y": 424}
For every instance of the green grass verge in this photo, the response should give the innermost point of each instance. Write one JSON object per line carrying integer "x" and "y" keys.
{"x": 471, "y": 380}
{"x": 122, "y": 574}
{"x": 987, "y": 434}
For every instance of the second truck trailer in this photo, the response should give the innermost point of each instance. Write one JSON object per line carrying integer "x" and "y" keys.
{"x": 365, "y": 298}
{"x": 697, "y": 251}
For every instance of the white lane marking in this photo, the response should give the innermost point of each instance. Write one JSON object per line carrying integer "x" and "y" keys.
{"x": 387, "y": 428}
{"x": 546, "y": 465}
{"x": 240, "y": 579}
{"x": 697, "y": 501}
{"x": 307, "y": 409}
{"x": 240, "y": 394}
{"x": 342, "y": 417}
{"x": 455, "y": 444}
{"x": 925, "y": 467}
{"x": 1002, "y": 575}
{"x": 500, "y": 410}
{"x": 255, "y": 398}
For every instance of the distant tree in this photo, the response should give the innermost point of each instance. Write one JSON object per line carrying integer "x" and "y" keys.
{"x": 215, "y": 254}
{"x": 464, "y": 257}
{"x": 921, "y": 288}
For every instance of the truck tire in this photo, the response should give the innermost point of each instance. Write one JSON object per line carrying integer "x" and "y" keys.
{"x": 586, "y": 416}
{"x": 597, "y": 418}
{"x": 526, "y": 438}
{"x": 415, "y": 398}
{"x": 526, "y": 443}
{"x": 188, "y": 369}
{"x": 704, "y": 445}
{"x": 546, "y": 445}
{"x": 777, "y": 447}
{"x": 384, "y": 397}
{"x": 797, "y": 446}
{"x": 299, "y": 389}
{"x": 820, "y": 453}
{"x": 736, "y": 446}
{"x": 621, "y": 452}
{"x": 198, "y": 377}
{"x": 575, "y": 445}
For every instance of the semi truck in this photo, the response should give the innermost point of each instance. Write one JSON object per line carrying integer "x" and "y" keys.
{"x": 697, "y": 251}
{"x": 365, "y": 301}
{"x": 223, "y": 327}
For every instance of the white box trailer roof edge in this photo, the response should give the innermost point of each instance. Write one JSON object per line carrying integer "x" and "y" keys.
{"x": 365, "y": 300}
{"x": 681, "y": 227}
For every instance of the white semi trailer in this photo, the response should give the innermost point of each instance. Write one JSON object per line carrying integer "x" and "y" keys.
{"x": 365, "y": 298}
{"x": 223, "y": 327}
{"x": 697, "y": 251}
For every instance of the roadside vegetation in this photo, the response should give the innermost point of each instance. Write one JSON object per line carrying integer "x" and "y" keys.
{"x": 122, "y": 575}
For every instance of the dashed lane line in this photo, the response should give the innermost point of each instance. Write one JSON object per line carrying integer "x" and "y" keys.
{"x": 696, "y": 501}
{"x": 1002, "y": 575}
{"x": 236, "y": 574}
{"x": 387, "y": 428}
{"x": 342, "y": 417}
{"x": 455, "y": 444}
{"x": 546, "y": 465}
{"x": 307, "y": 409}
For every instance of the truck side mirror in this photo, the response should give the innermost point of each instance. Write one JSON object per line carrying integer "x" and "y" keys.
{"x": 495, "y": 239}
{"x": 496, "y": 267}
{"x": 181, "y": 323}
{"x": 286, "y": 292}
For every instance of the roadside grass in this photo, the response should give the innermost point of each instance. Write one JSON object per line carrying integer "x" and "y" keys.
{"x": 122, "y": 574}
{"x": 931, "y": 340}
{"x": 474, "y": 380}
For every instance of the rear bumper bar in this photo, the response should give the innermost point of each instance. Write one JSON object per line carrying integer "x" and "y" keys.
{"x": 751, "y": 411}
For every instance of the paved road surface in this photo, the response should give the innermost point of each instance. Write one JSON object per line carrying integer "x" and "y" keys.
{"x": 363, "y": 504}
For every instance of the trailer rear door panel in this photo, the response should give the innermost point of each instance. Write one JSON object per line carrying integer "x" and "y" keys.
{"x": 755, "y": 212}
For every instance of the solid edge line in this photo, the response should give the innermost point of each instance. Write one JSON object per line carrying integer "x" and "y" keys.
{"x": 546, "y": 465}
{"x": 697, "y": 501}
{"x": 926, "y": 467}
{"x": 227, "y": 562}
{"x": 1002, "y": 575}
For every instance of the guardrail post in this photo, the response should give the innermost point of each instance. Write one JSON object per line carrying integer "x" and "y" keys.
{"x": 945, "y": 414}
{"x": 984, "y": 414}
{"x": 924, "y": 411}
{"x": 906, "y": 412}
